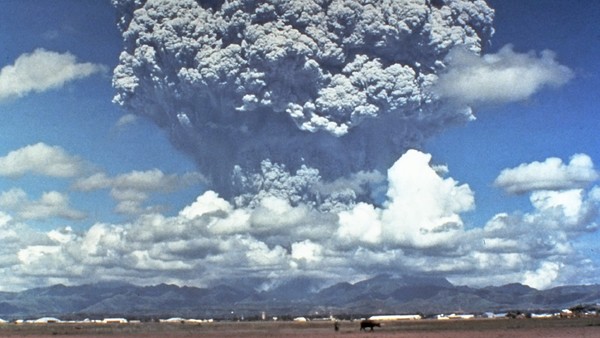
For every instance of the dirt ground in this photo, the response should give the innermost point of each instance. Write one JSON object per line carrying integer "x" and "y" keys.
{"x": 516, "y": 328}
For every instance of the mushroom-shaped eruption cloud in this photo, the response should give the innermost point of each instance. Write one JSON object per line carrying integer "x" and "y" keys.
{"x": 341, "y": 86}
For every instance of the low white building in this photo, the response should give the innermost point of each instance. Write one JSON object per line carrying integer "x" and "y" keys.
{"x": 114, "y": 320}
{"x": 454, "y": 316}
{"x": 172, "y": 320}
{"x": 45, "y": 320}
{"x": 196, "y": 321}
{"x": 382, "y": 318}
{"x": 542, "y": 315}
{"x": 185, "y": 321}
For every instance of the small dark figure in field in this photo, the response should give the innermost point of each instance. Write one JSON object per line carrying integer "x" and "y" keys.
{"x": 336, "y": 326}
{"x": 368, "y": 323}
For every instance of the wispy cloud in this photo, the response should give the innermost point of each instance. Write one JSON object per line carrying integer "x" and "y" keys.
{"x": 51, "y": 204}
{"x": 132, "y": 189}
{"x": 125, "y": 120}
{"x": 42, "y": 70}
{"x": 506, "y": 76}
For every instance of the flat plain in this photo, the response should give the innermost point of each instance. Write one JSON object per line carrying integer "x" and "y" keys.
{"x": 513, "y": 328}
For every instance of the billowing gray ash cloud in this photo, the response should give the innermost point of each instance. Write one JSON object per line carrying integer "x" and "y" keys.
{"x": 341, "y": 86}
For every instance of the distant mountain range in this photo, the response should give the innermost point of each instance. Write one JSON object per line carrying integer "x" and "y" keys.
{"x": 383, "y": 294}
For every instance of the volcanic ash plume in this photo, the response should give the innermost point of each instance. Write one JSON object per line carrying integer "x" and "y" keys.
{"x": 340, "y": 86}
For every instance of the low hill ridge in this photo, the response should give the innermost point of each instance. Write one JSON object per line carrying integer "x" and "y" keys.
{"x": 382, "y": 294}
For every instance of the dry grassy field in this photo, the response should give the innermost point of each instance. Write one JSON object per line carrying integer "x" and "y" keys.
{"x": 513, "y": 328}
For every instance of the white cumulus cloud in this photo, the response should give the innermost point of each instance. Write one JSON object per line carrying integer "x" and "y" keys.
{"x": 42, "y": 70}
{"x": 543, "y": 276}
{"x": 417, "y": 228}
{"x": 551, "y": 174}
{"x": 422, "y": 209}
{"x": 40, "y": 159}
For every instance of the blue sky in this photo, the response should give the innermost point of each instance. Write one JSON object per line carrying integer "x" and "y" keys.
{"x": 553, "y": 123}
{"x": 79, "y": 116}
{"x": 137, "y": 208}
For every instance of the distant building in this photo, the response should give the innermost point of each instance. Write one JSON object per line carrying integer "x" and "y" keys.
{"x": 114, "y": 320}
{"x": 46, "y": 320}
{"x": 199, "y": 320}
{"x": 185, "y": 321}
{"x": 542, "y": 315}
{"x": 566, "y": 313}
{"x": 382, "y": 318}
{"x": 455, "y": 316}
{"x": 172, "y": 320}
